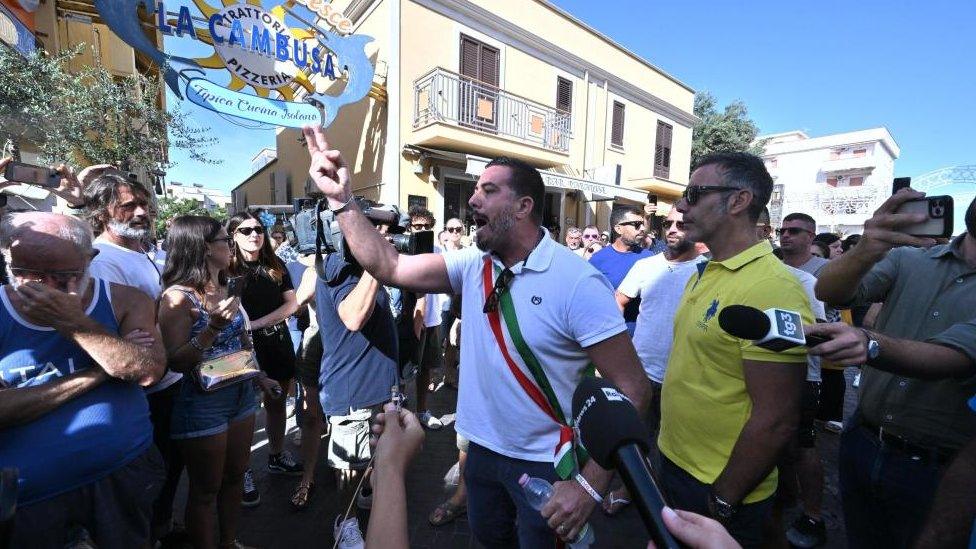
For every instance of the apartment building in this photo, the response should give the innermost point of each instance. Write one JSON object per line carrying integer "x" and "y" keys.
{"x": 839, "y": 179}
{"x": 57, "y": 25}
{"x": 461, "y": 81}
{"x": 210, "y": 199}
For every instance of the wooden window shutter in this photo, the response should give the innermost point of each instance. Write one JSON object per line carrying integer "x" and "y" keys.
{"x": 489, "y": 65}
{"x": 564, "y": 94}
{"x": 617, "y": 125}
{"x": 469, "y": 57}
{"x": 662, "y": 150}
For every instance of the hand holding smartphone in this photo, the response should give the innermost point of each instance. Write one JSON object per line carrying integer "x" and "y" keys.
{"x": 32, "y": 175}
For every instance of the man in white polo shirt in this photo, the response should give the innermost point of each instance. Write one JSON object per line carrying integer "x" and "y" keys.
{"x": 535, "y": 317}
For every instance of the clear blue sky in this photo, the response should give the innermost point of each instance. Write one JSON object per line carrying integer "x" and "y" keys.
{"x": 822, "y": 67}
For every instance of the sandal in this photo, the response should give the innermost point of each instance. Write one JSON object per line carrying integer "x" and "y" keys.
{"x": 303, "y": 495}
{"x": 613, "y": 505}
{"x": 448, "y": 512}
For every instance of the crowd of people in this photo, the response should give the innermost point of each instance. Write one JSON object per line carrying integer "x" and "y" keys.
{"x": 125, "y": 365}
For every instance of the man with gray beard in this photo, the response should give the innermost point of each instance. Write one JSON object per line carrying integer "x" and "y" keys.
{"x": 121, "y": 213}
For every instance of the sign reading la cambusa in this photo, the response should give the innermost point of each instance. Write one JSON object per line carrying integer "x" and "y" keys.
{"x": 259, "y": 50}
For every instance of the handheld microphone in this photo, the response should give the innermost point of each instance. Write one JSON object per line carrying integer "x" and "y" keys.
{"x": 773, "y": 329}
{"x": 616, "y": 438}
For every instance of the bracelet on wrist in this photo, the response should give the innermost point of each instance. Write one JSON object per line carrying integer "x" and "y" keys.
{"x": 343, "y": 206}
{"x": 589, "y": 489}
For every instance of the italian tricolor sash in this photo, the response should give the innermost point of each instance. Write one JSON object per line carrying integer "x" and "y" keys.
{"x": 567, "y": 454}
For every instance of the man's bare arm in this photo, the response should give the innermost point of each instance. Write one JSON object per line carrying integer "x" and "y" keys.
{"x": 775, "y": 390}
{"x": 23, "y": 405}
{"x": 356, "y": 308}
{"x": 838, "y": 282}
{"x": 616, "y": 360}
{"x": 848, "y": 346}
{"x": 426, "y": 273}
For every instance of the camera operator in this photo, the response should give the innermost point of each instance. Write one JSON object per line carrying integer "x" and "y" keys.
{"x": 359, "y": 365}
{"x": 905, "y": 430}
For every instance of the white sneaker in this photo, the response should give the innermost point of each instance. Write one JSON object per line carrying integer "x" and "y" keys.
{"x": 347, "y": 534}
{"x": 430, "y": 421}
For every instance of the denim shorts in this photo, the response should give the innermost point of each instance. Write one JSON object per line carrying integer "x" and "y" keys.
{"x": 197, "y": 413}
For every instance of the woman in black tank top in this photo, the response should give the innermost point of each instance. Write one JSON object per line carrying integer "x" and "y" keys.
{"x": 269, "y": 299}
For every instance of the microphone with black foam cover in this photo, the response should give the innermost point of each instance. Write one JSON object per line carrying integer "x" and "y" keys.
{"x": 773, "y": 329}
{"x": 616, "y": 438}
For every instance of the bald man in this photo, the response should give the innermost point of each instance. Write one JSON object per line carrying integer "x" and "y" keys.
{"x": 73, "y": 417}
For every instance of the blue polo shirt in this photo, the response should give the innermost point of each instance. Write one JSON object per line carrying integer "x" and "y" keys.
{"x": 615, "y": 265}
{"x": 358, "y": 368}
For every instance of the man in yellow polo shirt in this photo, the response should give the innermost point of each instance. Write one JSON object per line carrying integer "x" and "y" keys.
{"x": 729, "y": 407}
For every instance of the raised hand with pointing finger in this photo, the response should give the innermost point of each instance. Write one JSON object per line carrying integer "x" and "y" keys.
{"x": 328, "y": 169}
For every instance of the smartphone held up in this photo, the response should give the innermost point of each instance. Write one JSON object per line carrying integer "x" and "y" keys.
{"x": 29, "y": 174}
{"x": 937, "y": 209}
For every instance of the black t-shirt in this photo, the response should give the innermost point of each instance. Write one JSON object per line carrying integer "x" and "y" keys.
{"x": 262, "y": 294}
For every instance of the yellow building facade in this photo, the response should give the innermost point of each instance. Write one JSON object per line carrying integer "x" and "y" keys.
{"x": 461, "y": 81}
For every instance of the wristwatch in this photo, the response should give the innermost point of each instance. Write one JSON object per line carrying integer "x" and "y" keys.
{"x": 720, "y": 509}
{"x": 874, "y": 348}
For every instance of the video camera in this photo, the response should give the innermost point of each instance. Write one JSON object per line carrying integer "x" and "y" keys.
{"x": 315, "y": 229}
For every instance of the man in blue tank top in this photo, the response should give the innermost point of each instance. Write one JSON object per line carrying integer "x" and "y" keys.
{"x": 73, "y": 418}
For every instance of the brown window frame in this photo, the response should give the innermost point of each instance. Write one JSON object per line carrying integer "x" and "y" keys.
{"x": 617, "y": 126}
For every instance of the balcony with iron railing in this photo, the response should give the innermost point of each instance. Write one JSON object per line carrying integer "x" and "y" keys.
{"x": 449, "y": 99}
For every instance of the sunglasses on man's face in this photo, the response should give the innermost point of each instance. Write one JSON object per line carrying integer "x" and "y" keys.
{"x": 693, "y": 193}
{"x": 591, "y": 237}
{"x": 421, "y": 226}
{"x": 792, "y": 231}
{"x": 680, "y": 225}
{"x": 246, "y": 231}
{"x": 634, "y": 224}
{"x": 455, "y": 230}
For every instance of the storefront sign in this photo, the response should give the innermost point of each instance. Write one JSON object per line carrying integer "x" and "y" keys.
{"x": 610, "y": 191}
{"x": 259, "y": 109}
{"x": 259, "y": 50}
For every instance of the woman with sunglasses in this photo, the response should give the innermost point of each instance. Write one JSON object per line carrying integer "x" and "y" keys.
{"x": 212, "y": 429}
{"x": 269, "y": 299}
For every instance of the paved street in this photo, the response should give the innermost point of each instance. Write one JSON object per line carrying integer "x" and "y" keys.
{"x": 273, "y": 524}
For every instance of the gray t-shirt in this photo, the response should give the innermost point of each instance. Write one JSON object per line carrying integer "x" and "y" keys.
{"x": 814, "y": 265}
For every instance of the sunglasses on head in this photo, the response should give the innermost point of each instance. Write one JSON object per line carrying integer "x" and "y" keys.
{"x": 792, "y": 231}
{"x": 454, "y": 229}
{"x": 634, "y": 224}
{"x": 246, "y": 231}
{"x": 692, "y": 194}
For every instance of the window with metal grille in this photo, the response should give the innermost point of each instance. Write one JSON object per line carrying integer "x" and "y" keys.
{"x": 662, "y": 150}
{"x": 564, "y": 94}
{"x": 617, "y": 125}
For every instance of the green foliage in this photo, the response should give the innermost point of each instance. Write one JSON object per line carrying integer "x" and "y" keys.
{"x": 169, "y": 208}
{"x": 91, "y": 116}
{"x": 731, "y": 130}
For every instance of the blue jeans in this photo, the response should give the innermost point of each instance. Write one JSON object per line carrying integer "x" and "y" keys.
{"x": 886, "y": 493}
{"x": 684, "y": 491}
{"x": 498, "y": 512}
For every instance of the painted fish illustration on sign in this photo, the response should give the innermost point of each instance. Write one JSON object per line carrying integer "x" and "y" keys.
{"x": 351, "y": 53}
{"x": 121, "y": 17}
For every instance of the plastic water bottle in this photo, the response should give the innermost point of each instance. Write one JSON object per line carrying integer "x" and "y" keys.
{"x": 538, "y": 491}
